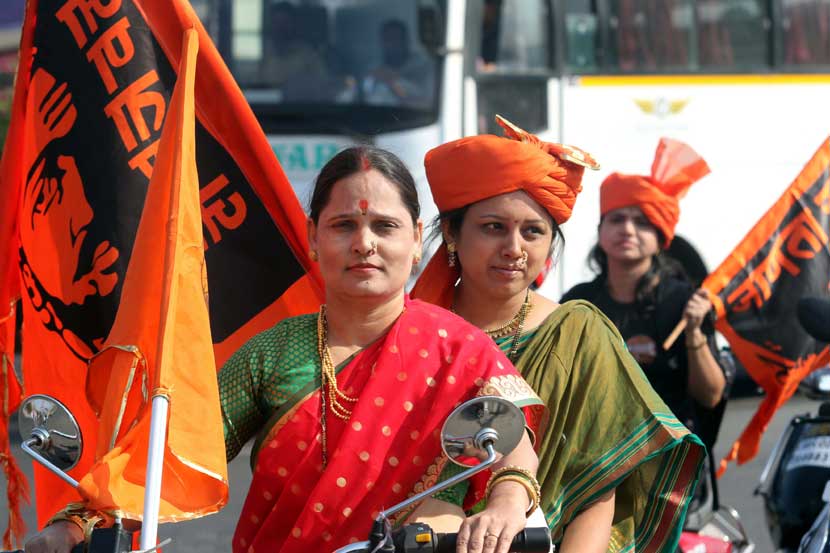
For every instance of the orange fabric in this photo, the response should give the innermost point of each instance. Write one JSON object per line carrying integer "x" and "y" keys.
{"x": 67, "y": 284}
{"x": 782, "y": 258}
{"x": 17, "y": 489}
{"x": 475, "y": 168}
{"x": 675, "y": 168}
{"x": 161, "y": 342}
{"x": 223, "y": 110}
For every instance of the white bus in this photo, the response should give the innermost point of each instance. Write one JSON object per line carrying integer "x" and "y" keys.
{"x": 744, "y": 82}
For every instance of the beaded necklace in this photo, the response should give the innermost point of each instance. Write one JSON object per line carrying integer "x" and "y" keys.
{"x": 328, "y": 383}
{"x": 513, "y": 326}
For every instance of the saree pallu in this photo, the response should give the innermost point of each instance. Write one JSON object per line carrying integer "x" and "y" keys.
{"x": 406, "y": 384}
{"x": 608, "y": 429}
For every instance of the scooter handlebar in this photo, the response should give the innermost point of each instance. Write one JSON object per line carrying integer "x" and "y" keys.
{"x": 529, "y": 540}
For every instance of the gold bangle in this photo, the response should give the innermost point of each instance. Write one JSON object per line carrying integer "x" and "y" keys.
{"x": 62, "y": 516}
{"x": 532, "y": 494}
{"x": 86, "y": 520}
{"x": 514, "y": 468}
{"x": 522, "y": 476}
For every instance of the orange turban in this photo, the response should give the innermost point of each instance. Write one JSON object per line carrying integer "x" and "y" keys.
{"x": 475, "y": 168}
{"x": 675, "y": 168}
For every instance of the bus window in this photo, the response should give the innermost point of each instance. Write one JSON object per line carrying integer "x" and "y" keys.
{"x": 581, "y": 35}
{"x": 330, "y": 66}
{"x": 404, "y": 74}
{"x": 514, "y": 36}
{"x": 293, "y": 45}
{"x": 246, "y": 47}
{"x": 513, "y": 64}
{"x": 650, "y": 35}
{"x": 733, "y": 33}
{"x": 806, "y": 31}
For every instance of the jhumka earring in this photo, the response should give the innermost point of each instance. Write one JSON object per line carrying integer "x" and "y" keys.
{"x": 452, "y": 259}
{"x": 313, "y": 255}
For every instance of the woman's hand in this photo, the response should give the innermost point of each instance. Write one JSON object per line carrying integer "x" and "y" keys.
{"x": 696, "y": 309}
{"x": 58, "y": 537}
{"x": 493, "y": 530}
{"x": 706, "y": 381}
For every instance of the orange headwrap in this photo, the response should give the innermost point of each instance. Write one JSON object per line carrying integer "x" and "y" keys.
{"x": 475, "y": 168}
{"x": 675, "y": 168}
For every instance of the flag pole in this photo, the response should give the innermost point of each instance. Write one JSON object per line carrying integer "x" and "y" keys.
{"x": 681, "y": 326}
{"x": 155, "y": 465}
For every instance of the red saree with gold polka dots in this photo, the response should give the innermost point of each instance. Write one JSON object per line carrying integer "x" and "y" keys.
{"x": 406, "y": 384}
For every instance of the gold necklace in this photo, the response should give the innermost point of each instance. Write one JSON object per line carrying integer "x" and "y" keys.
{"x": 513, "y": 326}
{"x": 520, "y": 323}
{"x": 328, "y": 382}
{"x": 510, "y": 326}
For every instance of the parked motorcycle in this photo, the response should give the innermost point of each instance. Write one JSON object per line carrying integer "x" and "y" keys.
{"x": 795, "y": 482}
{"x": 475, "y": 435}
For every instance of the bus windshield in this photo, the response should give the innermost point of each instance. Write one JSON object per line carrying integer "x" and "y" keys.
{"x": 327, "y": 66}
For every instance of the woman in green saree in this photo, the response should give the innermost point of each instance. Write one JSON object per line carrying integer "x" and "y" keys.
{"x": 617, "y": 468}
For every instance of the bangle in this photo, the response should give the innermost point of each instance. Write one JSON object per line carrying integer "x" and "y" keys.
{"x": 86, "y": 520}
{"x": 521, "y": 476}
{"x": 528, "y": 486}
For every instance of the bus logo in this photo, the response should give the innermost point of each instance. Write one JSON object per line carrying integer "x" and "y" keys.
{"x": 661, "y": 107}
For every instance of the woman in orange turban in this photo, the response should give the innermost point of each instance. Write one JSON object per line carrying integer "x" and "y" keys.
{"x": 616, "y": 467}
{"x": 644, "y": 292}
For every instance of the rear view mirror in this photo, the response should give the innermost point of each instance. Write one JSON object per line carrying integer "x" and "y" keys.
{"x": 482, "y": 421}
{"x": 816, "y": 385}
{"x": 52, "y": 429}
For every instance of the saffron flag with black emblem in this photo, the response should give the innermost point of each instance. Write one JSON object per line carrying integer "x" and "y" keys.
{"x": 91, "y": 95}
{"x": 755, "y": 292}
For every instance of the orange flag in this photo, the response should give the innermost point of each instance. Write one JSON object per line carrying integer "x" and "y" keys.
{"x": 755, "y": 291}
{"x": 91, "y": 96}
{"x": 160, "y": 343}
{"x": 17, "y": 489}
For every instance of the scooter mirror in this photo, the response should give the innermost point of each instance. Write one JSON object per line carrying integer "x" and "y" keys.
{"x": 478, "y": 422}
{"x": 49, "y": 428}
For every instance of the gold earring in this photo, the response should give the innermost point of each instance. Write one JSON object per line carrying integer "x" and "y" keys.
{"x": 416, "y": 259}
{"x": 313, "y": 255}
{"x": 452, "y": 259}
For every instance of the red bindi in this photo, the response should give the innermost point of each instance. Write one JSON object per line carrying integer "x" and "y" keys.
{"x": 364, "y": 206}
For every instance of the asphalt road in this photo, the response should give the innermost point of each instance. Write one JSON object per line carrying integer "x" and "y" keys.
{"x": 213, "y": 534}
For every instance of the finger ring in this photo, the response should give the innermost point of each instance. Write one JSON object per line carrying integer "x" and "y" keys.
{"x": 491, "y": 535}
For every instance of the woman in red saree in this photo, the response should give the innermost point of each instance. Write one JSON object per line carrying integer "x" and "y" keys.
{"x": 406, "y": 383}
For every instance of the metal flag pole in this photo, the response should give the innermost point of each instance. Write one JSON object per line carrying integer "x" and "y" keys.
{"x": 155, "y": 465}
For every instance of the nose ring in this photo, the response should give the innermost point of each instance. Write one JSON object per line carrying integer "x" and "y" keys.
{"x": 373, "y": 246}
{"x": 524, "y": 259}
